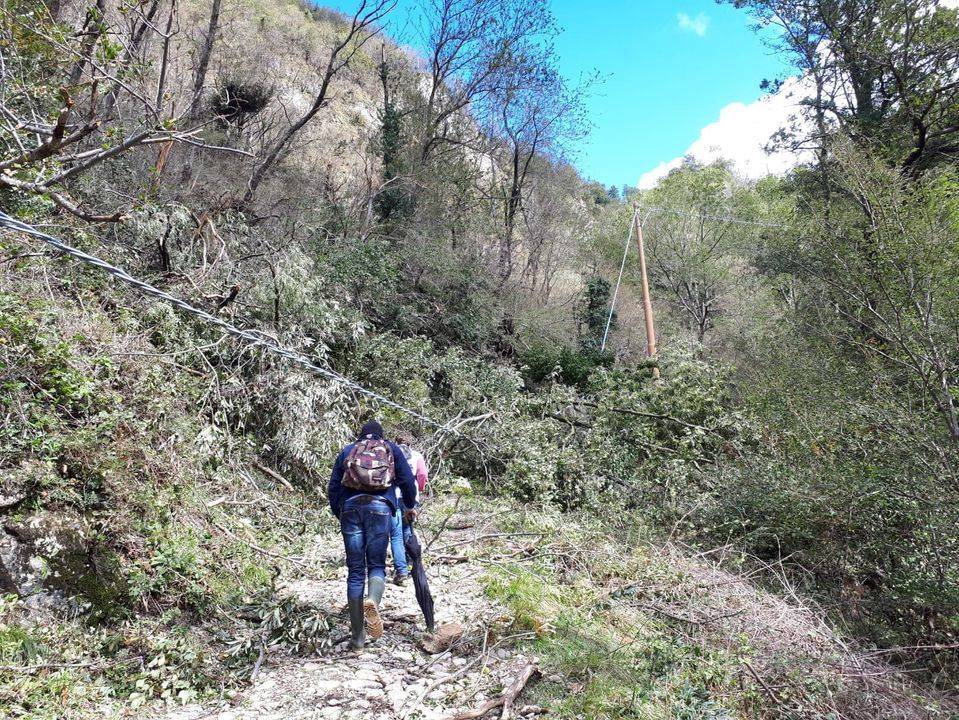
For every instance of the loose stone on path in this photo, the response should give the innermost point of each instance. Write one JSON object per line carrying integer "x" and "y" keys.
{"x": 387, "y": 680}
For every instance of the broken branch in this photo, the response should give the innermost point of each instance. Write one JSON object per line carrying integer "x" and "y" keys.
{"x": 505, "y": 700}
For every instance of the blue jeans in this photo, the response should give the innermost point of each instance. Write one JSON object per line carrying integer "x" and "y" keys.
{"x": 397, "y": 545}
{"x": 365, "y": 524}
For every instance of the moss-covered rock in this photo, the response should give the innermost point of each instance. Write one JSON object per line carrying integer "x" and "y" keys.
{"x": 55, "y": 560}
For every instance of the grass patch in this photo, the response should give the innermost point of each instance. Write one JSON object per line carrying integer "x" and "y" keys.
{"x": 606, "y": 661}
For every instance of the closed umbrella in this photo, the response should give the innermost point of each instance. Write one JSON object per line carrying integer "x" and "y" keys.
{"x": 414, "y": 557}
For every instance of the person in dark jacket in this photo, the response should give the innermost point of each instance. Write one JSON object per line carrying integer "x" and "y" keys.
{"x": 365, "y": 523}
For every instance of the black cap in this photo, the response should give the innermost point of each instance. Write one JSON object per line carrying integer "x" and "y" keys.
{"x": 371, "y": 428}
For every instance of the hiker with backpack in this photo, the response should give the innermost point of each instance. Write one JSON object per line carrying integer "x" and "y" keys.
{"x": 363, "y": 496}
{"x": 398, "y": 529}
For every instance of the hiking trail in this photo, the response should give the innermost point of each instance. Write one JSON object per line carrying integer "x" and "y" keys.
{"x": 394, "y": 677}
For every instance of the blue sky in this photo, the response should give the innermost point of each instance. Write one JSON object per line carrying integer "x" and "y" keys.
{"x": 664, "y": 82}
{"x": 670, "y": 67}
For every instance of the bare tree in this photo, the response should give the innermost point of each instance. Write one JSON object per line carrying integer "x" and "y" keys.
{"x": 537, "y": 117}
{"x": 52, "y": 140}
{"x": 553, "y": 226}
{"x": 203, "y": 58}
{"x": 470, "y": 43}
{"x": 362, "y": 28}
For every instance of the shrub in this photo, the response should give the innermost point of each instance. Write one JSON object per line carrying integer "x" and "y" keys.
{"x": 542, "y": 362}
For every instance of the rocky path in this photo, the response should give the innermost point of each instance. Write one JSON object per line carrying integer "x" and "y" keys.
{"x": 394, "y": 677}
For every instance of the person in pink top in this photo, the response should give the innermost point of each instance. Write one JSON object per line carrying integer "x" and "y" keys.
{"x": 398, "y": 530}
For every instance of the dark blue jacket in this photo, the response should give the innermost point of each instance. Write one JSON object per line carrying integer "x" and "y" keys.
{"x": 405, "y": 481}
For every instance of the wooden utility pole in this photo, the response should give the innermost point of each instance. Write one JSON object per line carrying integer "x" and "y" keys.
{"x": 647, "y": 304}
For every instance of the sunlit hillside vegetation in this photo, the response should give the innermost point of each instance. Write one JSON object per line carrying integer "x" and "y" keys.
{"x": 414, "y": 221}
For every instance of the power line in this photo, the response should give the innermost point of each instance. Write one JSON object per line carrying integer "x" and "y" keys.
{"x": 619, "y": 279}
{"x": 256, "y": 339}
{"x": 253, "y": 338}
{"x": 659, "y": 209}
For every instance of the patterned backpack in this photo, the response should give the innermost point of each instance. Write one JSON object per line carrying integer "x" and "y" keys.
{"x": 369, "y": 466}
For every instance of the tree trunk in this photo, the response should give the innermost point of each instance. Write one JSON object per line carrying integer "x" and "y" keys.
{"x": 948, "y": 408}
{"x": 203, "y": 63}
{"x": 513, "y": 202}
{"x": 93, "y": 17}
{"x": 261, "y": 171}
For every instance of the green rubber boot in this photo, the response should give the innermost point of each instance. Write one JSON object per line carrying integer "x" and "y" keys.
{"x": 371, "y": 607}
{"x": 357, "y": 629}
{"x": 376, "y": 587}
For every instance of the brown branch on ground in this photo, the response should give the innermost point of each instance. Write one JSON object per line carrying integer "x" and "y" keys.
{"x": 650, "y": 415}
{"x": 444, "y": 679}
{"x": 488, "y": 536}
{"x": 22, "y": 256}
{"x": 505, "y": 700}
{"x": 273, "y": 474}
{"x": 765, "y": 686}
{"x": 262, "y": 655}
{"x": 45, "y": 666}
{"x": 444, "y": 524}
{"x": 690, "y": 620}
{"x": 569, "y": 421}
{"x": 257, "y": 548}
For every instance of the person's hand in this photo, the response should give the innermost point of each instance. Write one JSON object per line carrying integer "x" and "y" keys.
{"x": 410, "y": 515}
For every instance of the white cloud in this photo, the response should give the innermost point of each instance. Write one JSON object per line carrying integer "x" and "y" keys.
{"x": 741, "y": 134}
{"x": 742, "y": 131}
{"x": 697, "y": 25}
